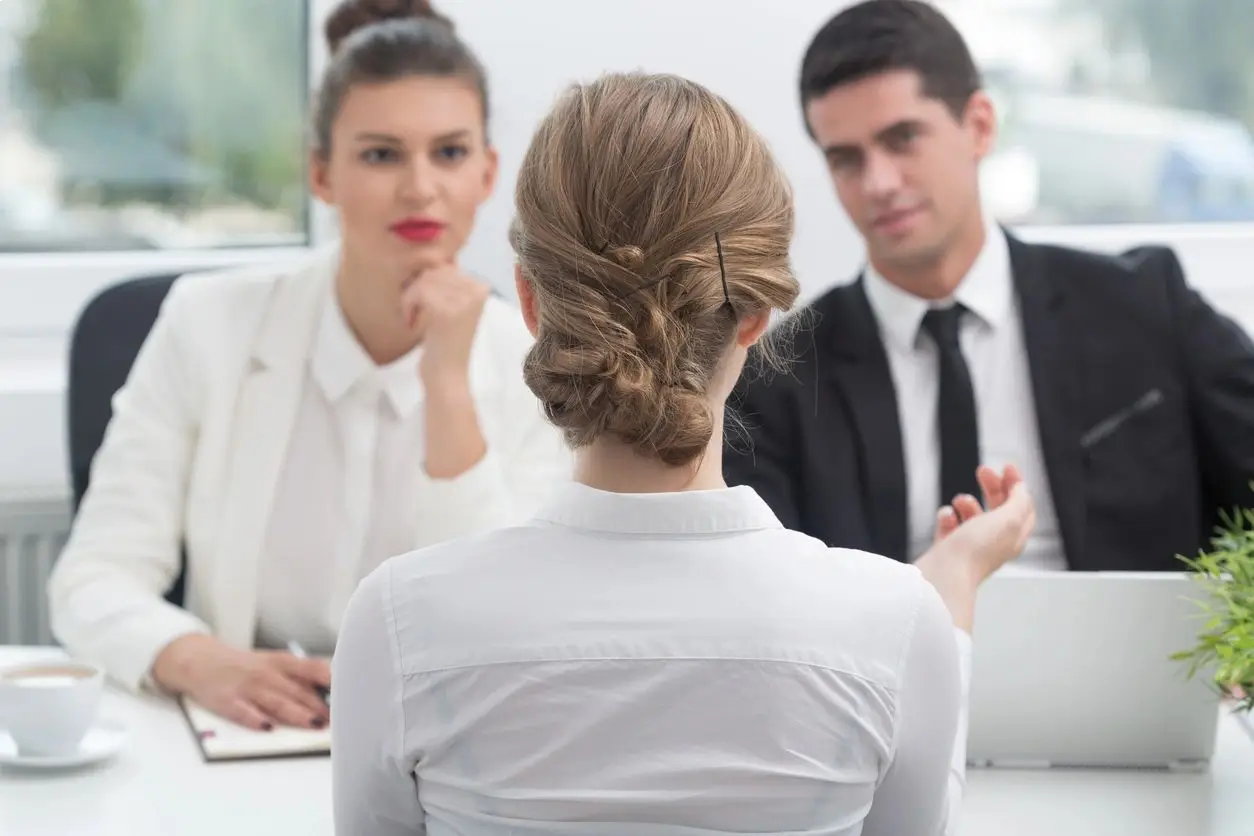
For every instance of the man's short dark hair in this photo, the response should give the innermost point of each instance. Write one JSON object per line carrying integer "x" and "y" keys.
{"x": 878, "y": 36}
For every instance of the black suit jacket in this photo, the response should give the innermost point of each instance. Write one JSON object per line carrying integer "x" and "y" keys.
{"x": 1144, "y": 399}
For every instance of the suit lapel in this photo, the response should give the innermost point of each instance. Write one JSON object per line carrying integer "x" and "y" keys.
{"x": 265, "y": 410}
{"x": 1053, "y": 358}
{"x": 860, "y": 369}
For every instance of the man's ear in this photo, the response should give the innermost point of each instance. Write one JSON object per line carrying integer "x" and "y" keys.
{"x": 981, "y": 120}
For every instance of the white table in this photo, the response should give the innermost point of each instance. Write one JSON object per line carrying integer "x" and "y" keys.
{"x": 160, "y": 786}
{"x": 1062, "y": 802}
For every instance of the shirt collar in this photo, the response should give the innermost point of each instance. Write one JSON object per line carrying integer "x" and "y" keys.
{"x": 987, "y": 291}
{"x": 339, "y": 365}
{"x": 724, "y": 511}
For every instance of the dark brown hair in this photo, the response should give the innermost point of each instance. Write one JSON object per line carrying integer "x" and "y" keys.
{"x": 879, "y": 36}
{"x": 620, "y": 196}
{"x": 377, "y": 41}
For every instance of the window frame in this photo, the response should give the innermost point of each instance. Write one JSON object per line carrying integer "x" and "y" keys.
{"x": 42, "y": 293}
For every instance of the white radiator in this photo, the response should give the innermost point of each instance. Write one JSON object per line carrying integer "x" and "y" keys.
{"x": 32, "y": 533}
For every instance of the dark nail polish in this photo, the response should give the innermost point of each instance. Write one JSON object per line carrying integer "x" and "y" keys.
{"x": 318, "y": 723}
{"x": 267, "y": 726}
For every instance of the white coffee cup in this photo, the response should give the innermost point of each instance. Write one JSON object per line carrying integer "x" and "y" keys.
{"x": 48, "y": 707}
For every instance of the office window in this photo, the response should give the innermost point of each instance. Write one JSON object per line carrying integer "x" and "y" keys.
{"x": 152, "y": 124}
{"x": 1118, "y": 111}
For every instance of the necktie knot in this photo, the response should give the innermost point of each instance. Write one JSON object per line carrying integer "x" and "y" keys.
{"x": 943, "y": 324}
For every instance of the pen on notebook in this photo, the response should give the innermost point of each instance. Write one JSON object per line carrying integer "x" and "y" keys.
{"x": 294, "y": 648}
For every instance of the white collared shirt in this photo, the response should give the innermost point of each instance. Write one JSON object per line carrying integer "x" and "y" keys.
{"x": 345, "y": 498}
{"x": 992, "y": 342}
{"x": 646, "y": 665}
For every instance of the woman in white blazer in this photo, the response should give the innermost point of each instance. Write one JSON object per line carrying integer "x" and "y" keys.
{"x": 294, "y": 426}
{"x": 653, "y": 653}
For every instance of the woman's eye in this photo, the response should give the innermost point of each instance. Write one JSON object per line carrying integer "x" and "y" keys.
{"x": 374, "y": 156}
{"x": 452, "y": 153}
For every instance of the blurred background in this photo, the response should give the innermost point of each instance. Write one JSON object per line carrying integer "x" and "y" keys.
{"x": 151, "y": 136}
{"x": 178, "y": 124}
{"x": 151, "y": 124}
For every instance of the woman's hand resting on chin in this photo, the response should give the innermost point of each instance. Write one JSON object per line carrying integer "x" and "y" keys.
{"x": 443, "y": 306}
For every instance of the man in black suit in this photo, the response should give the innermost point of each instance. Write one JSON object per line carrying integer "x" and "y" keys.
{"x": 1126, "y": 401}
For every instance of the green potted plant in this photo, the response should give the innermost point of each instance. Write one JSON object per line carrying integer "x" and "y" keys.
{"x": 1225, "y": 643}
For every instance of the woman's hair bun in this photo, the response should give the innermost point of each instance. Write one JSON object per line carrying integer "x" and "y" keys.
{"x": 641, "y": 282}
{"x": 352, "y": 15}
{"x": 627, "y": 256}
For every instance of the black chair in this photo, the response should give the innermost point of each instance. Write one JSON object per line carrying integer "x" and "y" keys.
{"x": 105, "y": 341}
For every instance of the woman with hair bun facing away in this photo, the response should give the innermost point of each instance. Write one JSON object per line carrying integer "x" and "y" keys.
{"x": 290, "y": 427}
{"x": 654, "y": 653}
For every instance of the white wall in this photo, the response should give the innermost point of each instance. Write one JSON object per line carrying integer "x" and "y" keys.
{"x": 748, "y": 50}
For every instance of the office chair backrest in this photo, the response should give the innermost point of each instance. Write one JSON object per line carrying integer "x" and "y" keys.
{"x": 105, "y": 341}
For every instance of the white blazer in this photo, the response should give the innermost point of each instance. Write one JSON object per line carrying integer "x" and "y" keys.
{"x": 198, "y": 440}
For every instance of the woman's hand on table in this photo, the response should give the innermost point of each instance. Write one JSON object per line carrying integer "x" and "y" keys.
{"x": 258, "y": 689}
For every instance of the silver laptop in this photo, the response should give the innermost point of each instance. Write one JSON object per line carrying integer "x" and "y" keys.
{"x": 1072, "y": 669}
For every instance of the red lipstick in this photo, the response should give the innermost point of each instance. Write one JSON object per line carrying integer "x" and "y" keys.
{"x": 418, "y": 230}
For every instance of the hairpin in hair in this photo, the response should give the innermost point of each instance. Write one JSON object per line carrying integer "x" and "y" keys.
{"x": 722, "y": 270}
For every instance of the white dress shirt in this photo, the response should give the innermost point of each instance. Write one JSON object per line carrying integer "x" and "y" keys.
{"x": 188, "y": 474}
{"x": 342, "y": 502}
{"x": 992, "y": 342}
{"x": 652, "y": 664}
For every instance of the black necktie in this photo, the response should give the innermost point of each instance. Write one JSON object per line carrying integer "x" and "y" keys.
{"x": 955, "y": 408}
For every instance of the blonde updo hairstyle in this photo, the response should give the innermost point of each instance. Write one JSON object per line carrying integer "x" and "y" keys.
{"x": 620, "y": 197}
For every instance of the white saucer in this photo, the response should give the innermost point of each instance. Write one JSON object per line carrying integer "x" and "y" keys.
{"x": 101, "y": 743}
